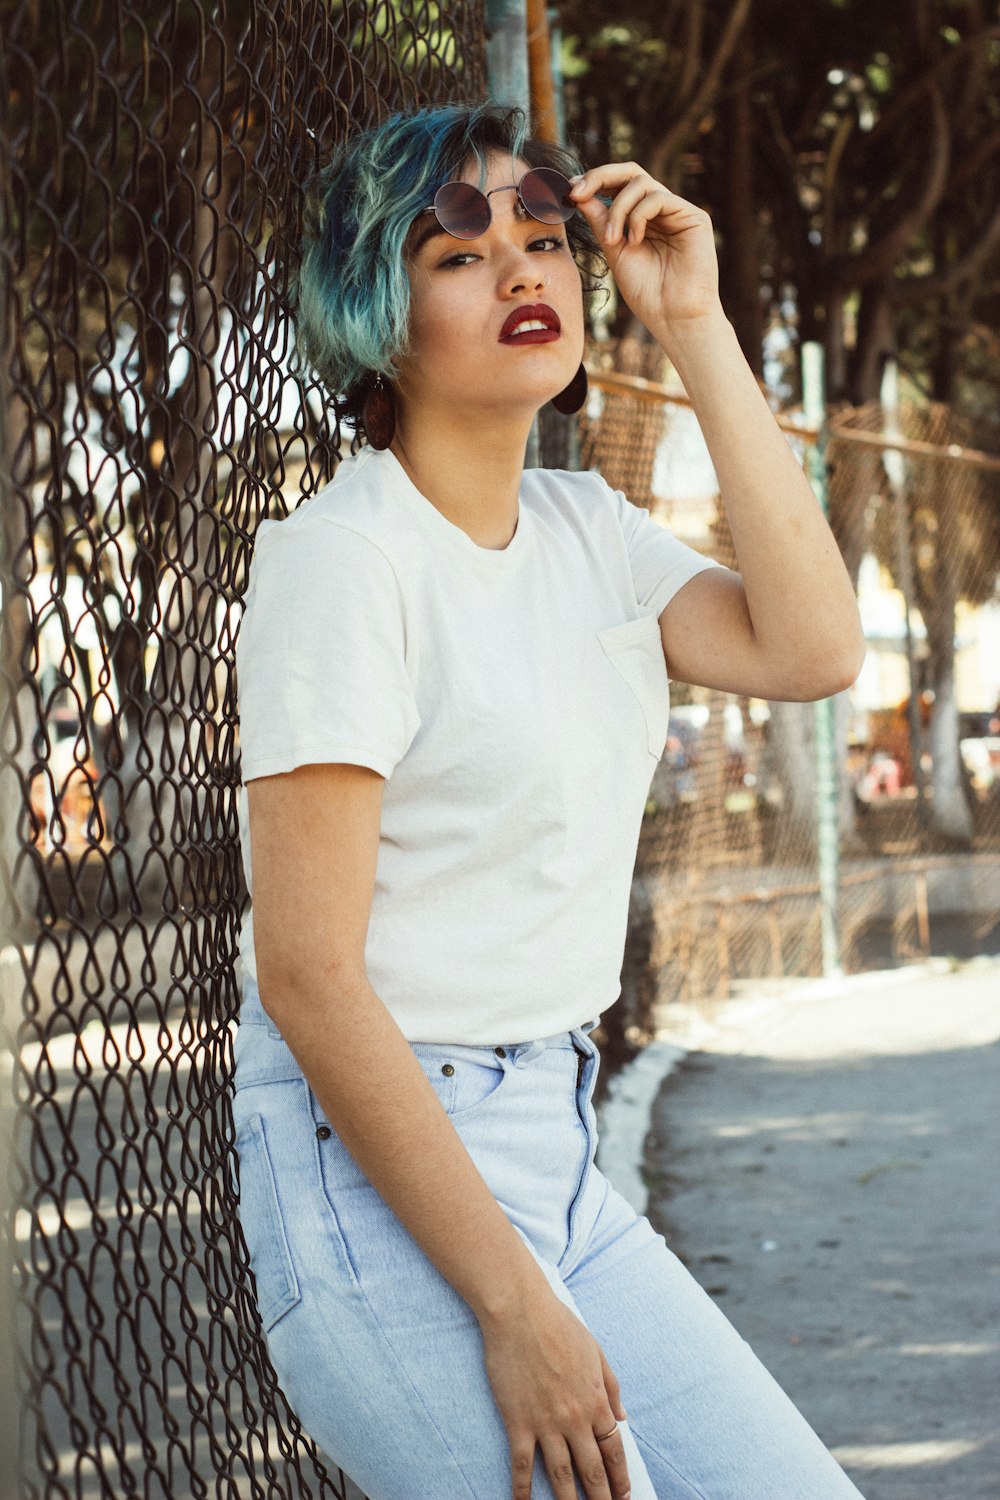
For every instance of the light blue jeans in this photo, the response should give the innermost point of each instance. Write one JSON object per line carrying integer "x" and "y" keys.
{"x": 381, "y": 1358}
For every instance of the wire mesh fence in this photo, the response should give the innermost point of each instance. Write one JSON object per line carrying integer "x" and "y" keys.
{"x": 727, "y": 889}
{"x": 151, "y": 417}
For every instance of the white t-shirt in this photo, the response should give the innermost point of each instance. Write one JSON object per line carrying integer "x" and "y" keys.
{"x": 515, "y": 700}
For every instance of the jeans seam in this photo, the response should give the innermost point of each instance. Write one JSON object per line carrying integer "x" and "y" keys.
{"x": 304, "y": 1308}
{"x": 642, "y": 1442}
{"x": 383, "y": 1335}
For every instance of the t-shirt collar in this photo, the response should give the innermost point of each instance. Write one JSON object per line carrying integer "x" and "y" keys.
{"x": 494, "y": 558}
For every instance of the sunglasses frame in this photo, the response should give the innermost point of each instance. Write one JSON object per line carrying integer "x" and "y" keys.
{"x": 432, "y": 208}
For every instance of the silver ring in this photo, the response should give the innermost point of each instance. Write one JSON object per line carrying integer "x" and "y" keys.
{"x": 606, "y": 1435}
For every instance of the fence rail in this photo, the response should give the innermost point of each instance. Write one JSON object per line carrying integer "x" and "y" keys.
{"x": 915, "y": 504}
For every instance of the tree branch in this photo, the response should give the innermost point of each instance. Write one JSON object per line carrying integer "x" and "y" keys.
{"x": 931, "y": 75}
{"x": 879, "y": 258}
{"x": 987, "y": 145}
{"x": 972, "y": 85}
{"x": 908, "y": 290}
{"x": 695, "y": 16}
{"x": 676, "y": 134}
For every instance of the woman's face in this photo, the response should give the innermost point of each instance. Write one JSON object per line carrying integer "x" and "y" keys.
{"x": 470, "y": 343}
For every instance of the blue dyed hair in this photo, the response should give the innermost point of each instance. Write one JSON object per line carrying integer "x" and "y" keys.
{"x": 351, "y": 295}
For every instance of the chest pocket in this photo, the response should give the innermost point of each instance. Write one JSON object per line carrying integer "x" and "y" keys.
{"x": 635, "y": 649}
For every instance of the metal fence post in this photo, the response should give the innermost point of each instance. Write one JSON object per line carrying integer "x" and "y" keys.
{"x": 507, "y": 52}
{"x": 827, "y": 820}
{"x": 507, "y": 60}
{"x": 894, "y": 464}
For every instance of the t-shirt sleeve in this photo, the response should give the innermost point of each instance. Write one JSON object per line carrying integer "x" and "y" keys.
{"x": 661, "y": 565}
{"x": 321, "y": 653}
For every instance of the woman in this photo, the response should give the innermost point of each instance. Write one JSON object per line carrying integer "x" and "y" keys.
{"x": 454, "y": 690}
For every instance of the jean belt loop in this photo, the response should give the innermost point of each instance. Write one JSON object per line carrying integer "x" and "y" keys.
{"x": 530, "y": 1051}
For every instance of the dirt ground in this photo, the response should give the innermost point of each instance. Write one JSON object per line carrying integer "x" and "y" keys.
{"x": 828, "y": 1165}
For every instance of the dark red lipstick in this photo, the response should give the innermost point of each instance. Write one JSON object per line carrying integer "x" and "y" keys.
{"x": 521, "y": 327}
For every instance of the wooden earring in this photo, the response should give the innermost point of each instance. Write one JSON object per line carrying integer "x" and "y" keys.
{"x": 379, "y": 415}
{"x": 572, "y": 398}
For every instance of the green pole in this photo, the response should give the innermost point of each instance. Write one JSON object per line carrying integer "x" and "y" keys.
{"x": 827, "y": 820}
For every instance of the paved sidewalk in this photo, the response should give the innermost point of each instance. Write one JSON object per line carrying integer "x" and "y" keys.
{"x": 827, "y": 1165}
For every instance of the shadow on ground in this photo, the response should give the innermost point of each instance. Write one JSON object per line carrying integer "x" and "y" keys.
{"x": 843, "y": 1211}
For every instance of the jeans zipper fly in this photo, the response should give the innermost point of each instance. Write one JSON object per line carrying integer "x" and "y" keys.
{"x": 581, "y": 1063}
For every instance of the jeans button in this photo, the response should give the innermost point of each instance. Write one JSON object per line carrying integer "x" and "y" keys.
{"x": 447, "y": 1069}
{"x": 500, "y": 1051}
{"x": 323, "y": 1132}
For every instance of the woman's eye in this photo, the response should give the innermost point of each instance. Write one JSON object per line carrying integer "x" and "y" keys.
{"x": 546, "y": 243}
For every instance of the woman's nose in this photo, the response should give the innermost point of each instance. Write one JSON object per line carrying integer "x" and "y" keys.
{"x": 524, "y": 274}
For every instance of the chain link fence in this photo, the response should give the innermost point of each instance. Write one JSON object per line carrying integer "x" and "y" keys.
{"x": 151, "y": 417}
{"x": 727, "y": 890}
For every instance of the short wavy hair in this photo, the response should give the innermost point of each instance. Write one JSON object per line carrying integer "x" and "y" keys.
{"x": 350, "y": 295}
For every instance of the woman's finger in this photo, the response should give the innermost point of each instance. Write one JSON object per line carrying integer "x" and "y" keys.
{"x": 625, "y": 204}
{"x": 559, "y": 1467}
{"x": 587, "y": 187}
{"x": 652, "y": 206}
{"x": 612, "y": 174}
{"x": 612, "y": 1388}
{"x": 614, "y": 1467}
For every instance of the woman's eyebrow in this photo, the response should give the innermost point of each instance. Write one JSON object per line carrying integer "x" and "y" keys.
{"x": 432, "y": 229}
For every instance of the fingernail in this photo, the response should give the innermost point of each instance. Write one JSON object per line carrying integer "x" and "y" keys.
{"x": 577, "y": 178}
{"x": 609, "y": 234}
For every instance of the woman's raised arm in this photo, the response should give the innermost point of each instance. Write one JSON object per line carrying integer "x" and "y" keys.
{"x": 787, "y": 625}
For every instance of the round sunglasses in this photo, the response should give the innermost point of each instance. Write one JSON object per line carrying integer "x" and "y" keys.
{"x": 465, "y": 212}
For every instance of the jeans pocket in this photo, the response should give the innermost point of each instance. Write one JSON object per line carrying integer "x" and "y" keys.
{"x": 463, "y": 1078}
{"x": 263, "y": 1226}
{"x": 635, "y": 649}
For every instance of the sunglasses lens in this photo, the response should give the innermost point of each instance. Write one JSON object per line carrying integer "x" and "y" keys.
{"x": 462, "y": 210}
{"x": 545, "y": 194}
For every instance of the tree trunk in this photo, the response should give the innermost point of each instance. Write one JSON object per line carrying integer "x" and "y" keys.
{"x": 740, "y": 260}
{"x": 875, "y": 343}
{"x": 790, "y": 758}
{"x": 836, "y": 351}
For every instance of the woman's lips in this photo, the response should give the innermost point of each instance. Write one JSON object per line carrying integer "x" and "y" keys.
{"x": 535, "y": 323}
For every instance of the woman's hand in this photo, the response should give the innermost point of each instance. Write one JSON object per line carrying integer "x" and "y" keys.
{"x": 556, "y": 1390}
{"x": 659, "y": 248}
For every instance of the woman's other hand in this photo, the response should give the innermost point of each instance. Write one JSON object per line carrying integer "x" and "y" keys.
{"x": 659, "y": 248}
{"x": 556, "y": 1390}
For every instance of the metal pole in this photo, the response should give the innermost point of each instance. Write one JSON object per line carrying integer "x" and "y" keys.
{"x": 543, "y": 99}
{"x": 507, "y": 52}
{"x": 895, "y": 467}
{"x": 507, "y": 62}
{"x": 827, "y": 818}
{"x": 555, "y": 37}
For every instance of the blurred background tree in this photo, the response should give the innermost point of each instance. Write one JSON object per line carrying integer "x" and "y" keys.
{"x": 849, "y": 153}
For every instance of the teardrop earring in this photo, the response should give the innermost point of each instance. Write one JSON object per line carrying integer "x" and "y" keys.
{"x": 572, "y": 397}
{"x": 379, "y": 415}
